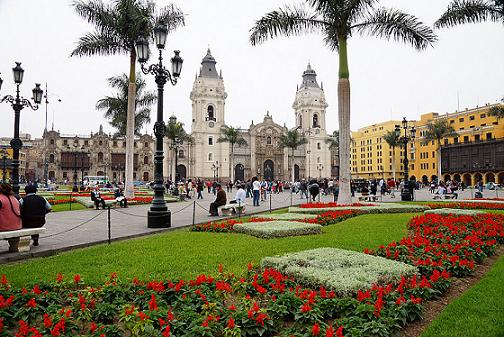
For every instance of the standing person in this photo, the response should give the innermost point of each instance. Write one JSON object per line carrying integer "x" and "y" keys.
{"x": 209, "y": 186}
{"x": 120, "y": 199}
{"x": 256, "y": 190}
{"x": 199, "y": 189}
{"x": 10, "y": 213}
{"x": 33, "y": 210}
{"x": 303, "y": 187}
{"x": 220, "y": 200}
{"x": 190, "y": 190}
{"x": 97, "y": 199}
{"x": 249, "y": 189}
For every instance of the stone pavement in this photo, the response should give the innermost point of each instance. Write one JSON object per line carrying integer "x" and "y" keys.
{"x": 70, "y": 230}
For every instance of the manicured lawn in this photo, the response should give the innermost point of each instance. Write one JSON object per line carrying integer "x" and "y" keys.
{"x": 478, "y": 312}
{"x": 184, "y": 254}
{"x": 66, "y": 207}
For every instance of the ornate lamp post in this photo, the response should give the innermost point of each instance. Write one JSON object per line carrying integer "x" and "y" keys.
{"x": 18, "y": 103}
{"x": 159, "y": 216}
{"x": 407, "y": 191}
{"x": 4, "y": 162}
{"x": 175, "y": 145}
{"x": 214, "y": 168}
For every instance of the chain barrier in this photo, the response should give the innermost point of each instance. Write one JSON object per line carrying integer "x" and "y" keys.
{"x": 75, "y": 227}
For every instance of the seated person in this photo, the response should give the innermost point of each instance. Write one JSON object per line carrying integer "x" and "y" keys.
{"x": 220, "y": 200}
{"x": 97, "y": 199}
{"x": 441, "y": 190}
{"x": 33, "y": 210}
{"x": 120, "y": 199}
{"x": 240, "y": 196}
{"x": 10, "y": 213}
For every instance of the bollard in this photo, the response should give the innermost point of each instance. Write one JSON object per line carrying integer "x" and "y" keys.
{"x": 70, "y": 200}
{"x": 291, "y": 194}
{"x": 108, "y": 224}
{"x": 239, "y": 209}
{"x": 193, "y": 212}
{"x": 270, "y": 203}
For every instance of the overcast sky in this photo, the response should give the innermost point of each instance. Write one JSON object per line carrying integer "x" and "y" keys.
{"x": 388, "y": 79}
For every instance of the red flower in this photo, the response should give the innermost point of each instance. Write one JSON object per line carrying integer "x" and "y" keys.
{"x": 306, "y": 308}
{"x": 166, "y": 332}
{"x": 152, "y": 303}
{"x": 47, "y": 321}
{"x": 315, "y": 331}
{"x": 221, "y": 268}
{"x": 76, "y": 278}
{"x": 231, "y": 323}
{"x": 260, "y": 318}
{"x": 32, "y": 303}
{"x": 339, "y": 332}
{"x": 249, "y": 266}
{"x": 329, "y": 332}
{"x": 130, "y": 310}
{"x": 93, "y": 327}
{"x": 232, "y": 307}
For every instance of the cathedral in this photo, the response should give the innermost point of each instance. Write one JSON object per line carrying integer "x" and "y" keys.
{"x": 262, "y": 156}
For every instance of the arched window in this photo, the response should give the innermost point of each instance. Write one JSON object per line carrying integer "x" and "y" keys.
{"x": 268, "y": 140}
{"x": 318, "y": 146}
{"x": 51, "y": 142}
{"x": 146, "y": 160}
{"x": 100, "y": 157}
{"x": 181, "y": 154}
{"x": 210, "y": 156}
{"x": 100, "y": 143}
{"x": 51, "y": 158}
{"x": 300, "y": 121}
{"x": 315, "y": 121}
{"x": 210, "y": 113}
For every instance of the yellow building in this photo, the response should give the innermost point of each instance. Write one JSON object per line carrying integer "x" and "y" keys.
{"x": 474, "y": 127}
{"x": 370, "y": 155}
{"x": 5, "y": 162}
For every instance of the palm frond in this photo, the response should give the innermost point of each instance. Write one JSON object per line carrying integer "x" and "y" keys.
{"x": 470, "y": 11}
{"x": 287, "y": 21}
{"x": 96, "y": 13}
{"x": 172, "y": 16}
{"x": 399, "y": 26}
{"x": 98, "y": 44}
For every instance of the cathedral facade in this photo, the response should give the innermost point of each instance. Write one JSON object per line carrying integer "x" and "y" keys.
{"x": 263, "y": 156}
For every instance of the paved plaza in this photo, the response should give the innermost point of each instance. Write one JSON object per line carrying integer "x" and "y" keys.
{"x": 69, "y": 230}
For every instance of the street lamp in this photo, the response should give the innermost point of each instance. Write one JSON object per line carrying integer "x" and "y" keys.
{"x": 175, "y": 145}
{"x": 320, "y": 168}
{"x": 309, "y": 163}
{"x": 407, "y": 191}
{"x": 159, "y": 216}
{"x": 18, "y": 103}
{"x": 4, "y": 163}
{"x": 214, "y": 168}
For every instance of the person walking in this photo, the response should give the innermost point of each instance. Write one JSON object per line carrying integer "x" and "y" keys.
{"x": 303, "y": 187}
{"x": 199, "y": 189}
{"x": 10, "y": 213}
{"x": 256, "y": 190}
{"x": 220, "y": 200}
{"x": 33, "y": 210}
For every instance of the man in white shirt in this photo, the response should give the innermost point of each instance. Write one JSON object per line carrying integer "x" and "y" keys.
{"x": 256, "y": 190}
{"x": 240, "y": 196}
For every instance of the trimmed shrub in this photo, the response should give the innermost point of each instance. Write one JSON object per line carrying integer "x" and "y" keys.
{"x": 275, "y": 229}
{"x": 453, "y": 211}
{"x": 379, "y": 208}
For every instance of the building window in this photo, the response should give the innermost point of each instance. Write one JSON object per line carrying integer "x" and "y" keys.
{"x": 471, "y": 118}
{"x": 315, "y": 121}
{"x": 51, "y": 158}
{"x": 134, "y": 144}
{"x": 268, "y": 140}
{"x": 181, "y": 154}
{"x": 210, "y": 140}
{"x": 210, "y": 156}
{"x": 65, "y": 142}
{"x": 433, "y": 154}
{"x": 452, "y": 121}
{"x": 100, "y": 157}
{"x": 65, "y": 175}
{"x": 134, "y": 175}
{"x": 476, "y": 138}
{"x": 489, "y": 136}
{"x": 114, "y": 143}
{"x": 318, "y": 146}
{"x": 124, "y": 144}
{"x": 461, "y": 120}
{"x": 455, "y": 140}
{"x": 445, "y": 141}
{"x": 300, "y": 121}
{"x": 466, "y": 139}
{"x": 86, "y": 143}
{"x": 100, "y": 143}
{"x": 210, "y": 114}
{"x": 483, "y": 116}
{"x": 51, "y": 142}
{"x": 146, "y": 160}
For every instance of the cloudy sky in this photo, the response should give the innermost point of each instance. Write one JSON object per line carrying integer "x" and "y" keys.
{"x": 388, "y": 79}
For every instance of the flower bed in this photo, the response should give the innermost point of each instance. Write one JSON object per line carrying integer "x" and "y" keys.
{"x": 60, "y": 201}
{"x": 215, "y": 226}
{"x": 276, "y": 229}
{"x": 332, "y": 204}
{"x": 468, "y": 205}
{"x": 340, "y": 270}
{"x": 453, "y": 211}
{"x": 377, "y": 208}
{"x": 286, "y": 216}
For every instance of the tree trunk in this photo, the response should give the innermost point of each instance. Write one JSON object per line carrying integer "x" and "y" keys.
{"x": 130, "y": 128}
{"x": 231, "y": 164}
{"x": 292, "y": 166}
{"x": 345, "y": 195}
{"x": 438, "y": 154}
{"x": 393, "y": 164}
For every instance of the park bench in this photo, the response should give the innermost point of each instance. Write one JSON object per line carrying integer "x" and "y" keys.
{"x": 365, "y": 196}
{"x": 19, "y": 240}
{"x": 229, "y": 209}
{"x": 445, "y": 196}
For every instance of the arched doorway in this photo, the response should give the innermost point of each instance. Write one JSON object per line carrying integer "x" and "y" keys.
{"x": 52, "y": 175}
{"x": 296, "y": 172}
{"x": 181, "y": 171}
{"x": 447, "y": 177}
{"x": 269, "y": 170}
{"x": 467, "y": 179}
{"x": 489, "y": 178}
{"x": 456, "y": 177}
{"x": 478, "y": 177}
{"x": 146, "y": 176}
{"x": 500, "y": 178}
{"x": 412, "y": 178}
{"x": 239, "y": 173}
{"x": 434, "y": 177}
{"x": 425, "y": 179}
{"x": 100, "y": 173}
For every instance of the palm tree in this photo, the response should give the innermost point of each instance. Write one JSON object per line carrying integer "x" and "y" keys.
{"x": 471, "y": 11}
{"x": 116, "y": 107}
{"x": 392, "y": 140}
{"x": 497, "y": 111}
{"x": 333, "y": 140}
{"x": 436, "y": 131}
{"x": 176, "y": 134}
{"x": 292, "y": 140}
{"x": 338, "y": 21}
{"x": 118, "y": 26}
{"x": 232, "y": 136}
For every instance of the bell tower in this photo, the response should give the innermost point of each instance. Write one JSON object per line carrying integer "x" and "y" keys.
{"x": 310, "y": 116}
{"x": 208, "y": 99}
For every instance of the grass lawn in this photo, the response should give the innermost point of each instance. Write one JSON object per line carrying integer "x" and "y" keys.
{"x": 184, "y": 254}
{"x": 66, "y": 207}
{"x": 478, "y": 312}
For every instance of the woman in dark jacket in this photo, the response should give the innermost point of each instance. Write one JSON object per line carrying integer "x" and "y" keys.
{"x": 33, "y": 210}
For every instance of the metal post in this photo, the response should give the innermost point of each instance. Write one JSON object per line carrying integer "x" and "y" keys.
{"x": 239, "y": 209}
{"x": 292, "y": 186}
{"x": 194, "y": 212}
{"x": 270, "y": 203}
{"x": 108, "y": 224}
{"x": 71, "y": 200}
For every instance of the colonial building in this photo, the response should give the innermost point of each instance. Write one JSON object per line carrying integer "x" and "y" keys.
{"x": 263, "y": 156}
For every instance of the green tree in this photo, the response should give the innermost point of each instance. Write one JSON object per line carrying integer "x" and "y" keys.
{"x": 437, "y": 131}
{"x": 392, "y": 140}
{"x": 292, "y": 140}
{"x": 116, "y": 107}
{"x": 333, "y": 140}
{"x": 497, "y": 111}
{"x": 118, "y": 25}
{"x": 232, "y": 136}
{"x": 471, "y": 11}
{"x": 337, "y": 21}
{"x": 176, "y": 135}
